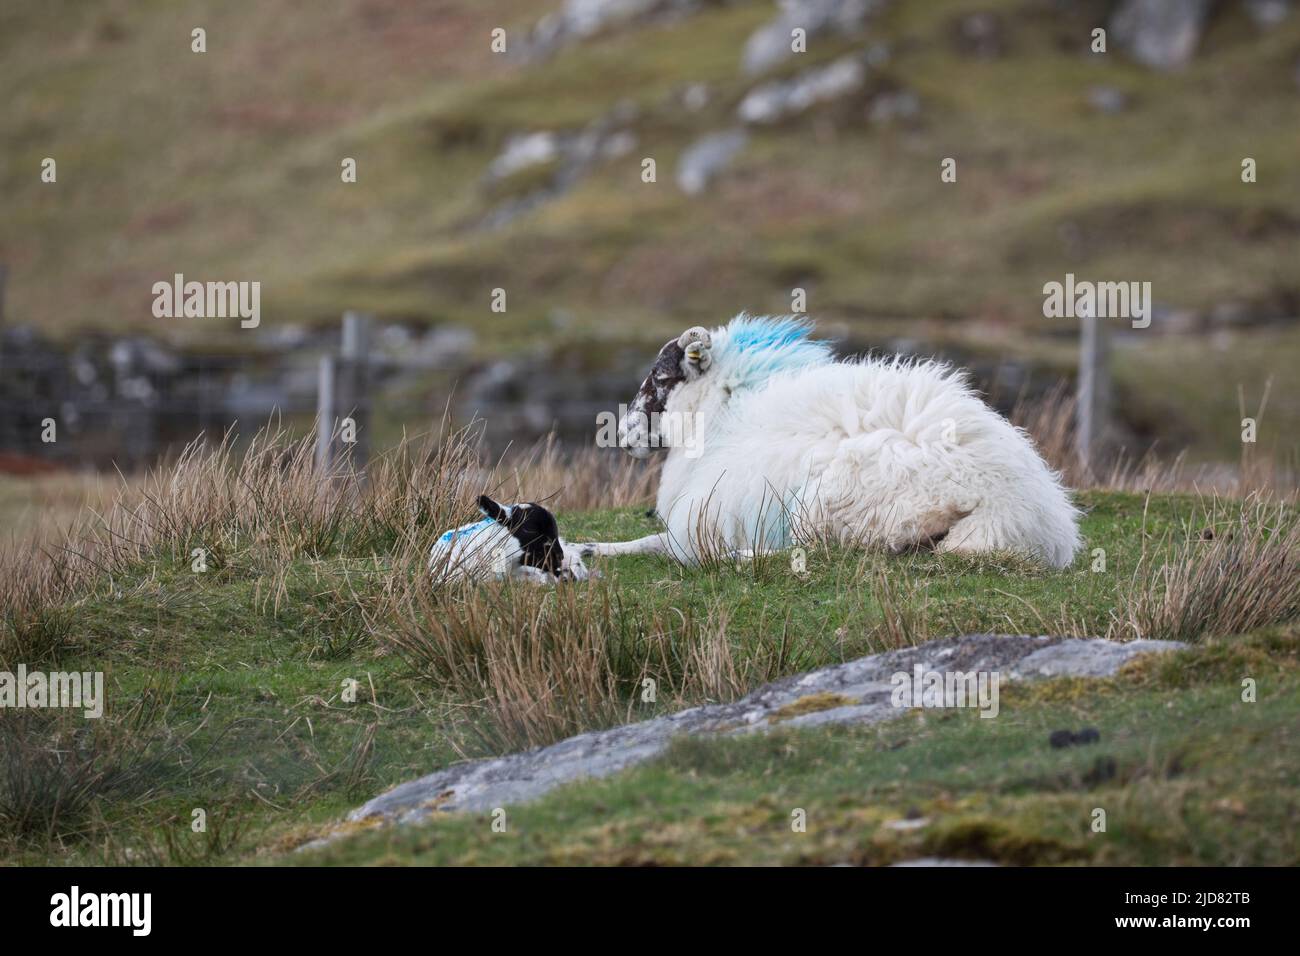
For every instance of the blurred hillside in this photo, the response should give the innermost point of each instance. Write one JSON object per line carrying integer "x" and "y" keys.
{"x": 819, "y": 170}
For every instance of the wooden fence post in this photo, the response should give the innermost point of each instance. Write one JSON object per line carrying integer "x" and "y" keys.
{"x": 354, "y": 385}
{"x": 325, "y": 415}
{"x": 1093, "y": 405}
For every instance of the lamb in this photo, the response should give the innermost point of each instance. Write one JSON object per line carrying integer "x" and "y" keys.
{"x": 770, "y": 442}
{"x": 520, "y": 542}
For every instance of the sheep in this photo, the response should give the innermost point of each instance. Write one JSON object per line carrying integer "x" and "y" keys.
{"x": 771, "y": 441}
{"x": 521, "y": 542}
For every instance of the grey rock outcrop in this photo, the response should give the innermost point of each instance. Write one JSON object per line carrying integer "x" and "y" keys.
{"x": 1162, "y": 34}
{"x": 1268, "y": 13}
{"x": 858, "y": 692}
{"x": 579, "y": 19}
{"x": 563, "y": 156}
{"x": 707, "y": 157}
{"x": 770, "y": 44}
{"x": 774, "y": 101}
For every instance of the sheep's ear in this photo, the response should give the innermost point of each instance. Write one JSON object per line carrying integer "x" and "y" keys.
{"x": 696, "y": 343}
{"x": 492, "y": 509}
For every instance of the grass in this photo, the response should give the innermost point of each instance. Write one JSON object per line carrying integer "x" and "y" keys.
{"x": 308, "y": 661}
{"x": 1186, "y": 772}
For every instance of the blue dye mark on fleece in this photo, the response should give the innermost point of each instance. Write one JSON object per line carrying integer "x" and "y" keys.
{"x": 762, "y": 346}
{"x": 465, "y": 531}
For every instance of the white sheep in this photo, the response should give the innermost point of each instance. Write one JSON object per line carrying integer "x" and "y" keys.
{"x": 771, "y": 441}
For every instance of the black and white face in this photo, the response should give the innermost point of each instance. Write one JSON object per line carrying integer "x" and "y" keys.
{"x": 536, "y": 531}
{"x": 682, "y": 360}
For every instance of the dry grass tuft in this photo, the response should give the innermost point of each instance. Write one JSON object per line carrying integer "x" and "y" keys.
{"x": 56, "y": 768}
{"x": 1050, "y": 422}
{"x": 1234, "y": 568}
{"x": 269, "y": 503}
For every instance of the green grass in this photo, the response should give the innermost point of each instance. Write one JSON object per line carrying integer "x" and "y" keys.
{"x": 962, "y": 594}
{"x": 256, "y": 694}
{"x": 249, "y": 660}
{"x": 1186, "y": 773}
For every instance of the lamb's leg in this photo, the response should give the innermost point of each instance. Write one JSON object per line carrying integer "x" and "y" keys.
{"x": 650, "y": 544}
{"x": 526, "y": 572}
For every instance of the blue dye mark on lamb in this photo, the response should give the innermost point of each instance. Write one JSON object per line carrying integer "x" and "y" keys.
{"x": 465, "y": 531}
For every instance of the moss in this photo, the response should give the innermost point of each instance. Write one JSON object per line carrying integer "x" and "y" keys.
{"x": 1005, "y": 841}
{"x": 810, "y": 704}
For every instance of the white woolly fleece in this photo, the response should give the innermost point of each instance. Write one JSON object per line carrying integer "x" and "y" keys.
{"x": 871, "y": 451}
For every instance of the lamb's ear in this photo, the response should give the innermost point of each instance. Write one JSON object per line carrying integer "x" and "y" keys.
{"x": 492, "y": 509}
{"x": 696, "y": 342}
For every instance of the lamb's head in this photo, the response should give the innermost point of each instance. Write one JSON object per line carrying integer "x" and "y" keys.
{"x": 538, "y": 534}
{"x": 680, "y": 362}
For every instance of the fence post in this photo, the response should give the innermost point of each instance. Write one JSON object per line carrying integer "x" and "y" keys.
{"x": 1093, "y": 406}
{"x": 325, "y": 415}
{"x": 354, "y": 384}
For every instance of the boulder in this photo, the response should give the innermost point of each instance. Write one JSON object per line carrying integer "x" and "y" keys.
{"x": 707, "y": 157}
{"x": 774, "y": 101}
{"x": 1162, "y": 34}
{"x": 858, "y": 692}
{"x": 1268, "y": 13}
{"x": 770, "y": 44}
{"x": 579, "y": 19}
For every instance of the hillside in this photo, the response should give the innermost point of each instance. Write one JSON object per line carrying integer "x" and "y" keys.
{"x": 227, "y": 163}
{"x": 522, "y": 171}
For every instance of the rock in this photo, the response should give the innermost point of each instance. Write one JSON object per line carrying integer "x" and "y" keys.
{"x": 980, "y": 35}
{"x": 578, "y": 20}
{"x": 901, "y": 826}
{"x": 1232, "y": 314}
{"x": 1180, "y": 321}
{"x": 858, "y": 692}
{"x": 570, "y": 155}
{"x": 770, "y": 44}
{"x": 695, "y": 97}
{"x": 1268, "y": 13}
{"x": 445, "y": 346}
{"x": 1162, "y": 34}
{"x": 523, "y": 151}
{"x": 1107, "y": 99}
{"x": 1078, "y": 657}
{"x": 706, "y": 157}
{"x": 893, "y": 106}
{"x": 940, "y": 861}
{"x": 778, "y": 99}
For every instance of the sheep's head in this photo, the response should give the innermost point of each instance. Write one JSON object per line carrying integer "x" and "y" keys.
{"x": 683, "y": 359}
